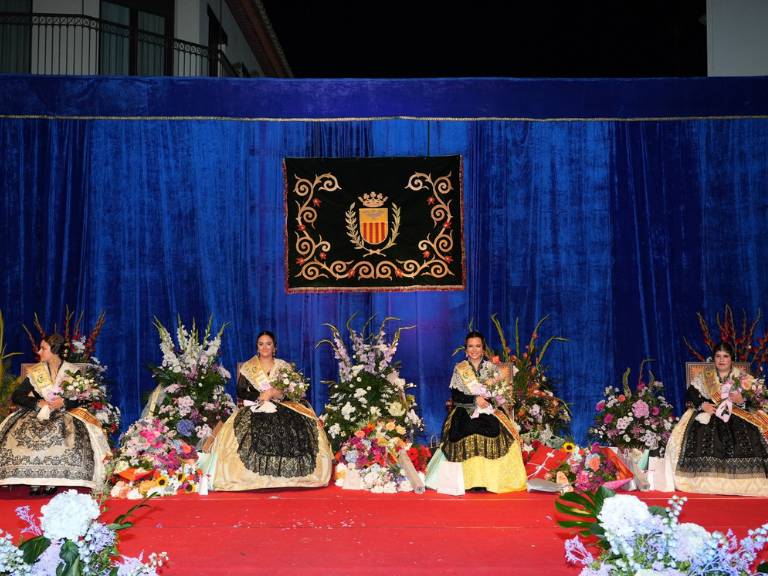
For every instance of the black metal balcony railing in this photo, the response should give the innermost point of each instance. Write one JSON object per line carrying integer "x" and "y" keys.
{"x": 78, "y": 44}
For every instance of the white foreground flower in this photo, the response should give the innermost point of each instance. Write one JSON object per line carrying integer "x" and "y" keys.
{"x": 68, "y": 515}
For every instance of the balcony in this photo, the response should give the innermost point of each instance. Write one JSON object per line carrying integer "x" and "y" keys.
{"x": 83, "y": 45}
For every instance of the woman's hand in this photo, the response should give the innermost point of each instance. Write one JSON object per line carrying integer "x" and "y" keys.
{"x": 708, "y": 407}
{"x": 736, "y": 397}
{"x": 481, "y": 402}
{"x": 56, "y": 402}
{"x": 271, "y": 394}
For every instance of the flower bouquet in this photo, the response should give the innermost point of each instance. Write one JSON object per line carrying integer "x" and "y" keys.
{"x": 291, "y": 383}
{"x": 368, "y": 460}
{"x": 532, "y": 401}
{"x": 190, "y": 397}
{"x": 150, "y": 451}
{"x": 635, "y": 539}
{"x": 369, "y": 387}
{"x": 68, "y": 538}
{"x": 641, "y": 419}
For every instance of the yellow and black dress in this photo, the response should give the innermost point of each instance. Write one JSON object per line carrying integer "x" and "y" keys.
{"x": 258, "y": 449}
{"x": 68, "y": 448}
{"x": 719, "y": 457}
{"x": 476, "y": 452}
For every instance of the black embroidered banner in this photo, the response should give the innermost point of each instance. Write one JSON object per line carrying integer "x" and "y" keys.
{"x": 374, "y": 224}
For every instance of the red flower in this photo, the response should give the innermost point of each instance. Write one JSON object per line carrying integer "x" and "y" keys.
{"x": 316, "y": 201}
{"x": 323, "y": 255}
{"x": 426, "y": 254}
{"x": 300, "y": 261}
{"x": 447, "y": 224}
{"x": 431, "y": 200}
{"x": 351, "y": 273}
{"x": 448, "y": 259}
{"x": 398, "y": 273}
{"x": 301, "y": 227}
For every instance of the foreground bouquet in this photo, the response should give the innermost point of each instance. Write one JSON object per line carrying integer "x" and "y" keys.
{"x": 636, "y": 539}
{"x": 68, "y": 539}
{"x": 191, "y": 398}
{"x": 641, "y": 419}
{"x": 153, "y": 460}
{"x": 533, "y": 403}
{"x": 369, "y": 387}
{"x": 372, "y": 457}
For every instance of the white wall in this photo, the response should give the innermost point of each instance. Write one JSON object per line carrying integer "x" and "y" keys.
{"x": 737, "y": 37}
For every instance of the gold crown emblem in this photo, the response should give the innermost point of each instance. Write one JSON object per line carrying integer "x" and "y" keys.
{"x": 372, "y": 200}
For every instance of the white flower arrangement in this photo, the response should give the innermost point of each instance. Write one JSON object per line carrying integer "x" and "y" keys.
{"x": 193, "y": 381}
{"x": 369, "y": 386}
{"x": 68, "y": 515}
{"x": 638, "y": 539}
{"x": 69, "y": 539}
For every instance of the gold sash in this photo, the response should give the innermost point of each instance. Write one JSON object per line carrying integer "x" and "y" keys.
{"x": 757, "y": 418}
{"x": 40, "y": 378}
{"x": 255, "y": 374}
{"x": 466, "y": 373}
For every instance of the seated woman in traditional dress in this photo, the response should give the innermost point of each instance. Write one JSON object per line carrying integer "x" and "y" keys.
{"x": 480, "y": 447}
{"x": 51, "y": 441}
{"x": 269, "y": 442}
{"x": 719, "y": 445}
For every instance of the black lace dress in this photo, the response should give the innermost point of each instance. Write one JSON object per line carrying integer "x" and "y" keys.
{"x": 733, "y": 449}
{"x": 282, "y": 443}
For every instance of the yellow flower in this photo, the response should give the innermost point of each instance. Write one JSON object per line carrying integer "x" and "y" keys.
{"x": 400, "y": 430}
{"x": 569, "y": 446}
{"x": 162, "y": 481}
{"x": 390, "y": 425}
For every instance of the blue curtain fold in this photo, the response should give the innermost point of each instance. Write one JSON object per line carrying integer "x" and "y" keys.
{"x": 619, "y": 228}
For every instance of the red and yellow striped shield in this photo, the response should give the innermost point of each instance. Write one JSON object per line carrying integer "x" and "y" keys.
{"x": 374, "y": 224}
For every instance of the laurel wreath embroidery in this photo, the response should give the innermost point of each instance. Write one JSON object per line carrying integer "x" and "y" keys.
{"x": 354, "y": 234}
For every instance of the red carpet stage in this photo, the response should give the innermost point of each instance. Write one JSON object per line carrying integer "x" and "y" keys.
{"x": 332, "y": 531}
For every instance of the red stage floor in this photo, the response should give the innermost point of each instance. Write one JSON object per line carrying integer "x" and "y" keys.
{"x": 332, "y": 531}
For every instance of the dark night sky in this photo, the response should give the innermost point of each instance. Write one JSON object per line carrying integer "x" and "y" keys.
{"x": 581, "y": 38}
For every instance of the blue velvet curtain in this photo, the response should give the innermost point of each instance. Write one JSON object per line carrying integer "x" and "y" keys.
{"x": 618, "y": 208}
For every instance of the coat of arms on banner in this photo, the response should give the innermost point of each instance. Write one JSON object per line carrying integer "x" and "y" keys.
{"x": 374, "y": 224}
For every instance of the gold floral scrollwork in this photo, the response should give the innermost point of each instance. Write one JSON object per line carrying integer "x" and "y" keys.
{"x": 436, "y": 252}
{"x": 311, "y": 248}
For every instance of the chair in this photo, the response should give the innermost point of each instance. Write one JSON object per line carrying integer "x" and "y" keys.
{"x": 693, "y": 369}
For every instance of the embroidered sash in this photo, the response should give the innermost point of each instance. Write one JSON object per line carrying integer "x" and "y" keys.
{"x": 40, "y": 378}
{"x": 468, "y": 377}
{"x": 253, "y": 371}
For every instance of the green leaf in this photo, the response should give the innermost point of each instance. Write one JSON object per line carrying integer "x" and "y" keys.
{"x": 586, "y": 499}
{"x": 763, "y": 568}
{"x": 72, "y": 565}
{"x": 33, "y": 547}
{"x": 574, "y": 523}
{"x": 572, "y": 510}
